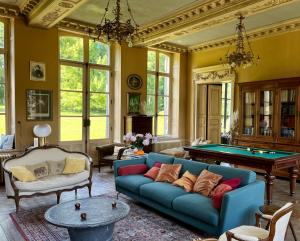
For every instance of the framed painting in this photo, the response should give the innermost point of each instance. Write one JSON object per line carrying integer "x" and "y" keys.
{"x": 134, "y": 81}
{"x": 133, "y": 103}
{"x": 39, "y": 105}
{"x": 37, "y": 71}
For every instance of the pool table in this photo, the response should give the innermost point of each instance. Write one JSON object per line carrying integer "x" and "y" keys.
{"x": 260, "y": 158}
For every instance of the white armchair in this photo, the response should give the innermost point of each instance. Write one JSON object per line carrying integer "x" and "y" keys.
{"x": 57, "y": 184}
{"x": 277, "y": 229}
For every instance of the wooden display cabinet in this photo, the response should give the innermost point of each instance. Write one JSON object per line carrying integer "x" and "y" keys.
{"x": 270, "y": 115}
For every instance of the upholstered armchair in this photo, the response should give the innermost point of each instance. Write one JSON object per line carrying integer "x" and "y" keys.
{"x": 107, "y": 155}
{"x": 278, "y": 224}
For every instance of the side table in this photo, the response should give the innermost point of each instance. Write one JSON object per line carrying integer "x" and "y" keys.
{"x": 270, "y": 210}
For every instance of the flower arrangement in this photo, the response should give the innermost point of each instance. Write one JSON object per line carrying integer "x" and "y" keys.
{"x": 138, "y": 141}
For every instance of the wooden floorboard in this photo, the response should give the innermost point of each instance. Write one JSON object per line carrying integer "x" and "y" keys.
{"x": 104, "y": 183}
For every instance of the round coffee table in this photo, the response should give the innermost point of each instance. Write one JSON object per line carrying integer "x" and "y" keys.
{"x": 100, "y": 218}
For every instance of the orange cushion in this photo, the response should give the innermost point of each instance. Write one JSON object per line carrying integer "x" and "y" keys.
{"x": 152, "y": 173}
{"x": 206, "y": 182}
{"x": 187, "y": 181}
{"x": 168, "y": 173}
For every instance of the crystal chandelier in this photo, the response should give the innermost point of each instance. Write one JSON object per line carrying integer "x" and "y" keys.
{"x": 243, "y": 55}
{"x": 116, "y": 30}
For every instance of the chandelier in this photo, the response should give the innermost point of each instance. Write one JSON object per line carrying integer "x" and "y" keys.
{"x": 116, "y": 29}
{"x": 243, "y": 55}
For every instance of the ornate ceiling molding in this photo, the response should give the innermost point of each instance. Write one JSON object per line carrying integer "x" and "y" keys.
{"x": 199, "y": 17}
{"x": 77, "y": 26}
{"x": 47, "y": 13}
{"x": 273, "y": 30}
{"x": 170, "y": 47}
{"x": 9, "y": 11}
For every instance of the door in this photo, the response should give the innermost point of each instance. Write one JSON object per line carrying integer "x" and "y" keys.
{"x": 214, "y": 94}
{"x": 201, "y": 111}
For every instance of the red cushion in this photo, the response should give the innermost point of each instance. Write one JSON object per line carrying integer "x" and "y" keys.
{"x": 157, "y": 164}
{"x": 132, "y": 170}
{"x": 234, "y": 182}
{"x": 218, "y": 193}
{"x": 152, "y": 173}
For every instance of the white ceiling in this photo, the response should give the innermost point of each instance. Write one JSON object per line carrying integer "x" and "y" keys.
{"x": 144, "y": 11}
{"x": 272, "y": 16}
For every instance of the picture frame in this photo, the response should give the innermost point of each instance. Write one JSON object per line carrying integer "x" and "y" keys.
{"x": 133, "y": 103}
{"x": 134, "y": 81}
{"x": 37, "y": 71}
{"x": 38, "y": 104}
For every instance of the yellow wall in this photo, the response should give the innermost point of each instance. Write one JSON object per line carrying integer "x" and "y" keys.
{"x": 34, "y": 44}
{"x": 280, "y": 58}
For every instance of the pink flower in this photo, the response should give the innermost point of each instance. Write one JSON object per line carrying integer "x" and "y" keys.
{"x": 146, "y": 142}
{"x": 155, "y": 139}
{"x": 148, "y": 136}
{"x": 133, "y": 138}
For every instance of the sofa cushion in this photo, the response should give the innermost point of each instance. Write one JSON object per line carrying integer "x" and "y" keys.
{"x": 193, "y": 167}
{"x": 132, "y": 170}
{"x": 168, "y": 173}
{"x": 52, "y": 182}
{"x": 198, "y": 207}
{"x": 161, "y": 192}
{"x": 246, "y": 176}
{"x": 156, "y": 157}
{"x": 132, "y": 182}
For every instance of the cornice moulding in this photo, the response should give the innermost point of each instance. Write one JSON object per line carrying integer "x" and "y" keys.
{"x": 200, "y": 17}
{"x": 77, "y": 26}
{"x": 9, "y": 10}
{"x": 272, "y": 30}
{"x": 171, "y": 47}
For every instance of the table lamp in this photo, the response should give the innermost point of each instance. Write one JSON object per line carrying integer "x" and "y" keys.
{"x": 42, "y": 131}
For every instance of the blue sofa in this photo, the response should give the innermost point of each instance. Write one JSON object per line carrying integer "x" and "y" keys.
{"x": 238, "y": 206}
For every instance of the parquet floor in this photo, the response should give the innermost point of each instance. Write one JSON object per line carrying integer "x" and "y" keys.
{"x": 104, "y": 183}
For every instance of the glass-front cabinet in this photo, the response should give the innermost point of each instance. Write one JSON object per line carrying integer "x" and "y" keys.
{"x": 288, "y": 115}
{"x": 270, "y": 112}
{"x": 249, "y": 112}
{"x": 266, "y": 106}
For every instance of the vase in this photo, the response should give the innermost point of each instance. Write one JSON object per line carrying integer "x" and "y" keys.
{"x": 139, "y": 151}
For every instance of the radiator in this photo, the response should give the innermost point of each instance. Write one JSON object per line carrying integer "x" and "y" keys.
{"x": 4, "y": 156}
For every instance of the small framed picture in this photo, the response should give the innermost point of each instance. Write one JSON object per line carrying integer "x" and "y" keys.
{"x": 37, "y": 71}
{"x": 39, "y": 104}
{"x": 134, "y": 81}
{"x": 133, "y": 103}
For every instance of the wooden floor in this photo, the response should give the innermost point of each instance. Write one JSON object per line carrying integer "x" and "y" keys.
{"x": 104, "y": 183}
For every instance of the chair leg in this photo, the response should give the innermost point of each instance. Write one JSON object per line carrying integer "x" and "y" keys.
{"x": 90, "y": 190}
{"x": 118, "y": 195}
{"x": 17, "y": 202}
{"x": 293, "y": 231}
{"x": 75, "y": 193}
{"x": 58, "y": 197}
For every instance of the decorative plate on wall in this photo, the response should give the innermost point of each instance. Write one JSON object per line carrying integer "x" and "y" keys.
{"x": 134, "y": 81}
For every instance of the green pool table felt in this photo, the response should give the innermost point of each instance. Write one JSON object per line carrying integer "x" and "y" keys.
{"x": 241, "y": 150}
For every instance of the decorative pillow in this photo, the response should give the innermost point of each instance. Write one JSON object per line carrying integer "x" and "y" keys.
{"x": 132, "y": 170}
{"x": 117, "y": 149}
{"x": 234, "y": 182}
{"x": 187, "y": 181}
{"x": 74, "y": 165}
{"x": 218, "y": 193}
{"x": 157, "y": 164}
{"x": 168, "y": 173}
{"x": 152, "y": 173}
{"x": 206, "y": 182}
{"x": 56, "y": 167}
{"x": 39, "y": 170}
{"x": 22, "y": 174}
{"x": 7, "y": 142}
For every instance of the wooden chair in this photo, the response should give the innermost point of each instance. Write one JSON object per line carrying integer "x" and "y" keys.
{"x": 277, "y": 229}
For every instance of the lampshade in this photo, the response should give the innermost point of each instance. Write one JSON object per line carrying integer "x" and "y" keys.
{"x": 42, "y": 130}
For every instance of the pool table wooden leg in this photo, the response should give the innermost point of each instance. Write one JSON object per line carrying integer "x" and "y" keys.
{"x": 293, "y": 179}
{"x": 269, "y": 185}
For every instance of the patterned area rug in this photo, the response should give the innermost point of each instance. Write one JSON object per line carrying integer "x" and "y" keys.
{"x": 142, "y": 224}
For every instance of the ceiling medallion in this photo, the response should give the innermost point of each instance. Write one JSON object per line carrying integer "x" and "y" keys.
{"x": 116, "y": 29}
{"x": 243, "y": 55}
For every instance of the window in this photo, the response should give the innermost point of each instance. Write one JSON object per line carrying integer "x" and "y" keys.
{"x": 3, "y": 76}
{"x": 226, "y": 107}
{"x": 158, "y": 91}
{"x": 84, "y": 89}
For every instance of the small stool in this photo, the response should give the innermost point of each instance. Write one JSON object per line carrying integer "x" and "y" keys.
{"x": 270, "y": 210}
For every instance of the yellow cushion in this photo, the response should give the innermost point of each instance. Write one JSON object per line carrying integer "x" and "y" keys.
{"x": 74, "y": 165}
{"x": 23, "y": 174}
{"x": 187, "y": 181}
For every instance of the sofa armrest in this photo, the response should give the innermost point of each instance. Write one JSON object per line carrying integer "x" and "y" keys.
{"x": 123, "y": 163}
{"x": 239, "y": 206}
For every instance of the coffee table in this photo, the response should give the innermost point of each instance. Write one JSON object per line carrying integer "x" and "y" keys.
{"x": 100, "y": 218}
